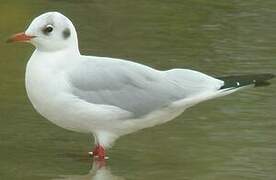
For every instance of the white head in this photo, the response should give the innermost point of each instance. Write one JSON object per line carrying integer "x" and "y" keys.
{"x": 50, "y": 31}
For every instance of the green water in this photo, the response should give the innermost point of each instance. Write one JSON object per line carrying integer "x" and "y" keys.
{"x": 231, "y": 138}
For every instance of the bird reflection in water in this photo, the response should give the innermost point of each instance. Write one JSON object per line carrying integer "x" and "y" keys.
{"x": 99, "y": 171}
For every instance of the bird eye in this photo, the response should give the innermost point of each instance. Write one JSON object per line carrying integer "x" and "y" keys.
{"x": 48, "y": 29}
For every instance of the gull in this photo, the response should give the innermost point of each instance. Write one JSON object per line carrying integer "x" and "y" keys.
{"x": 108, "y": 97}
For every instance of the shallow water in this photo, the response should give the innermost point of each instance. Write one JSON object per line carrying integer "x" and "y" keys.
{"x": 228, "y": 138}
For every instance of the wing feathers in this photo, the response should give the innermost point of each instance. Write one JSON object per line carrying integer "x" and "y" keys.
{"x": 136, "y": 88}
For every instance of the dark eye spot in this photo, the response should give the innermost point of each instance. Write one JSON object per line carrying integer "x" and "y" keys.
{"x": 66, "y": 33}
{"x": 48, "y": 29}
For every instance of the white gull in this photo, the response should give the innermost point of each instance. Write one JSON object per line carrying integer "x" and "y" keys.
{"x": 108, "y": 97}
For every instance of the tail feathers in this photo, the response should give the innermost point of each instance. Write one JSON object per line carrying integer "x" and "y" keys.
{"x": 237, "y": 81}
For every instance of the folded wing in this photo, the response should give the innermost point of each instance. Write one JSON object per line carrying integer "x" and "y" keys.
{"x": 133, "y": 87}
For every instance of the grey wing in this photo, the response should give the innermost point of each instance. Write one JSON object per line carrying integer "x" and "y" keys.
{"x": 129, "y": 86}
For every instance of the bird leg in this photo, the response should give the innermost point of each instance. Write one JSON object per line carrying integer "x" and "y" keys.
{"x": 99, "y": 152}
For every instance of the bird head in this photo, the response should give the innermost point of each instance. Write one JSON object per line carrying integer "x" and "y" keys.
{"x": 51, "y": 31}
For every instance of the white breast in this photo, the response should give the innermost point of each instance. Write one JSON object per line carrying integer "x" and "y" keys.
{"x": 46, "y": 87}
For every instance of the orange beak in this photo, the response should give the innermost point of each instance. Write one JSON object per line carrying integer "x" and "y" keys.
{"x": 20, "y": 37}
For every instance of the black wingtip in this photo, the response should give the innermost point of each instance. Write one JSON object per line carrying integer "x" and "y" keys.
{"x": 264, "y": 82}
{"x": 237, "y": 81}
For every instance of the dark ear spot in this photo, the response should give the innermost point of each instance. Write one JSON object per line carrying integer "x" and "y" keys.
{"x": 66, "y": 33}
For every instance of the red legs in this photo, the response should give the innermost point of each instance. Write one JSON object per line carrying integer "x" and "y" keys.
{"x": 99, "y": 153}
